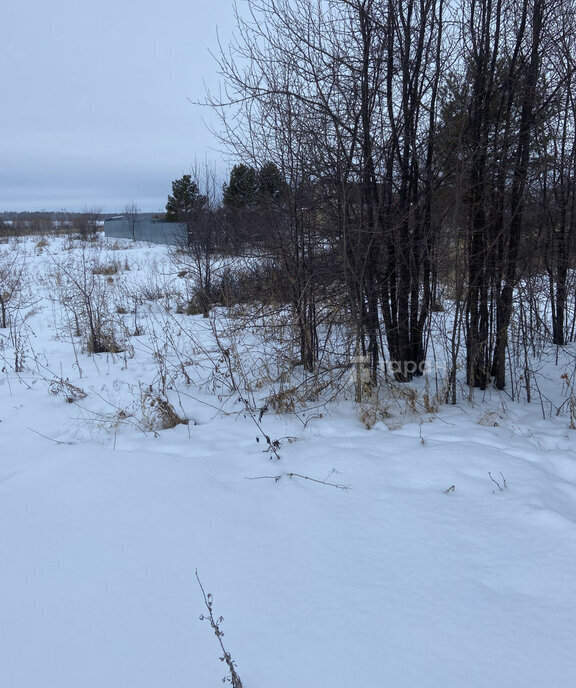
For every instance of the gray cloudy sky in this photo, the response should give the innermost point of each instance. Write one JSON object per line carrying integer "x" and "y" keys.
{"x": 94, "y": 108}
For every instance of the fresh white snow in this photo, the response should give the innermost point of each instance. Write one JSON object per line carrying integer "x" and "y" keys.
{"x": 397, "y": 580}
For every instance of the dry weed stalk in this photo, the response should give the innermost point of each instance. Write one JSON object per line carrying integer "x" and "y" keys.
{"x": 226, "y": 657}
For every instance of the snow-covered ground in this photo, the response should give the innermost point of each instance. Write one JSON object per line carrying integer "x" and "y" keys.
{"x": 448, "y": 559}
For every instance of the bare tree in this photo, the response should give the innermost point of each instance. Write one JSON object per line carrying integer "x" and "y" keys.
{"x": 131, "y": 213}
{"x": 349, "y": 89}
{"x": 402, "y": 129}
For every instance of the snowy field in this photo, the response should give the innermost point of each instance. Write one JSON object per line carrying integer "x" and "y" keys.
{"x": 439, "y": 553}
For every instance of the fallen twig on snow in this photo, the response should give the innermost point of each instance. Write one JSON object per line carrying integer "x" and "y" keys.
{"x": 276, "y": 478}
{"x": 497, "y": 483}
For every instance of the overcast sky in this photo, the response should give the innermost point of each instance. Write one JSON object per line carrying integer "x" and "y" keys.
{"x": 95, "y": 104}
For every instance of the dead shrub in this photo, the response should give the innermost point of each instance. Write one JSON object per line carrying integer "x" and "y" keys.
{"x": 65, "y": 389}
{"x": 372, "y": 409}
{"x": 157, "y": 411}
{"x": 106, "y": 269}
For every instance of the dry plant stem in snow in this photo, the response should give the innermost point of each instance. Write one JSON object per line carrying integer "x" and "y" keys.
{"x": 502, "y": 487}
{"x": 571, "y": 400}
{"x": 234, "y": 679}
{"x": 250, "y": 406}
{"x": 277, "y": 478}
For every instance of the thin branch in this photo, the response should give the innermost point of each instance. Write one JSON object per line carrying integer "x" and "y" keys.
{"x": 48, "y": 438}
{"x": 276, "y": 478}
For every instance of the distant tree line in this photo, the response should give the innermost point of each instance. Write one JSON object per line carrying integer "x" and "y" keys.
{"x": 85, "y": 223}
